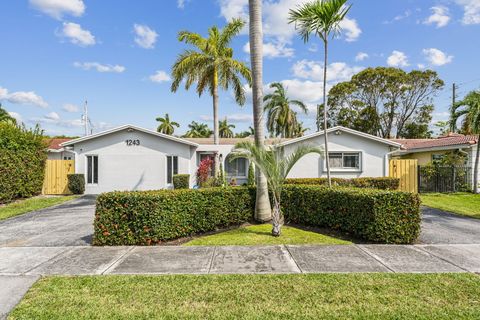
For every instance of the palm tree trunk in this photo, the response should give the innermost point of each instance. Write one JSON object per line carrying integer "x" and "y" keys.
{"x": 262, "y": 205}
{"x": 216, "y": 139}
{"x": 475, "y": 169}
{"x": 325, "y": 107}
{"x": 277, "y": 220}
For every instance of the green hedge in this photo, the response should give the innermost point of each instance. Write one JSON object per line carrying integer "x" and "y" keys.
{"x": 22, "y": 162}
{"x": 181, "y": 181}
{"x": 150, "y": 217}
{"x": 383, "y": 183}
{"x": 76, "y": 183}
{"x": 373, "y": 215}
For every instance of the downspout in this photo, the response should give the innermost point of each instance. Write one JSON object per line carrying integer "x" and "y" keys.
{"x": 386, "y": 165}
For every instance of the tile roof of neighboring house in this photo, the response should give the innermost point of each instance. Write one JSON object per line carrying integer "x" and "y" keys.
{"x": 452, "y": 139}
{"x": 54, "y": 144}
{"x": 232, "y": 141}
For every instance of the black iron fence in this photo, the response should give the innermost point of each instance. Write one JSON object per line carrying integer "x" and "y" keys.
{"x": 433, "y": 178}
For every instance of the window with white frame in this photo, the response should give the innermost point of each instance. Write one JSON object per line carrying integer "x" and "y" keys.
{"x": 236, "y": 168}
{"x": 92, "y": 169}
{"x": 172, "y": 168}
{"x": 344, "y": 160}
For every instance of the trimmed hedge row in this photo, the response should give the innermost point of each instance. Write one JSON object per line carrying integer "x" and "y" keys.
{"x": 22, "y": 162}
{"x": 383, "y": 183}
{"x": 374, "y": 215}
{"x": 151, "y": 217}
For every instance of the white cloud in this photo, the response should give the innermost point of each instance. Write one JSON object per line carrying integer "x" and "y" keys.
{"x": 313, "y": 70}
{"x": 397, "y": 59}
{"x": 361, "y": 56}
{"x": 421, "y": 66}
{"x": 160, "y": 76}
{"x": 273, "y": 50}
{"x": 440, "y": 16}
{"x": 16, "y": 116}
{"x": 181, "y": 3}
{"x": 275, "y": 18}
{"x": 52, "y": 116}
{"x": 23, "y": 97}
{"x": 471, "y": 10}
{"x": 77, "y": 35}
{"x": 68, "y": 107}
{"x": 144, "y": 36}
{"x": 233, "y": 118}
{"x": 437, "y": 57}
{"x": 350, "y": 29}
{"x": 58, "y": 8}
{"x": 99, "y": 67}
{"x": 399, "y": 17}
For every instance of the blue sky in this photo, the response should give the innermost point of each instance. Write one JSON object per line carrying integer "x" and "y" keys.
{"x": 118, "y": 54}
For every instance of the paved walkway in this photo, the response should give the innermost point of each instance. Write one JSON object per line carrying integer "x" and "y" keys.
{"x": 56, "y": 241}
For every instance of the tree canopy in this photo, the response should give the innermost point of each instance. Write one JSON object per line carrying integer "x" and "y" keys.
{"x": 387, "y": 102}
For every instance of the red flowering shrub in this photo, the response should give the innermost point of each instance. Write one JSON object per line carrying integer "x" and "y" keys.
{"x": 204, "y": 171}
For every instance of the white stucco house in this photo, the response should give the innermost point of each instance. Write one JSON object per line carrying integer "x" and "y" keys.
{"x": 133, "y": 158}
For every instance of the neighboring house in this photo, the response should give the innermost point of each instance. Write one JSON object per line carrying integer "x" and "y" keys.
{"x": 56, "y": 152}
{"x": 134, "y": 158}
{"x": 430, "y": 150}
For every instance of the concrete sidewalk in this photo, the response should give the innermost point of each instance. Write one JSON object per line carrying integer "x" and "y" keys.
{"x": 34, "y": 261}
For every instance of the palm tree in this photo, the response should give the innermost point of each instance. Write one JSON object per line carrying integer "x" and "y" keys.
{"x": 166, "y": 126}
{"x": 6, "y": 117}
{"x": 281, "y": 120}
{"x": 275, "y": 165}
{"x": 198, "y": 130}
{"x": 226, "y": 129}
{"x": 321, "y": 18}
{"x": 299, "y": 130}
{"x": 469, "y": 110}
{"x": 211, "y": 67}
{"x": 262, "y": 202}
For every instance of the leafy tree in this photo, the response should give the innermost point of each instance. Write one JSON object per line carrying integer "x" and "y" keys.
{"x": 387, "y": 102}
{"x": 198, "y": 130}
{"x": 281, "y": 119}
{"x": 212, "y": 66}
{"x": 321, "y": 18}
{"x": 275, "y": 165}
{"x": 262, "y": 202}
{"x": 299, "y": 130}
{"x": 166, "y": 126}
{"x": 226, "y": 129}
{"x": 443, "y": 127}
{"x": 6, "y": 117}
{"x": 469, "y": 111}
{"x": 247, "y": 133}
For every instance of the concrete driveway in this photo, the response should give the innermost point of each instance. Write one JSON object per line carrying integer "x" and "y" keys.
{"x": 68, "y": 224}
{"x": 439, "y": 227}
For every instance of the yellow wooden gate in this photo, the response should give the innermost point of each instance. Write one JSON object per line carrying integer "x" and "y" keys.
{"x": 406, "y": 171}
{"x": 56, "y": 181}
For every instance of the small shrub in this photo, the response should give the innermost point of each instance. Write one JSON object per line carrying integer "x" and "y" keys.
{"x": 76, "y": 183}
{"x": 251, "y": 175}
{"x": 181, "y": 181}
{"x": 204, "y": 171}
{"x": 383, "y": 183}
{"x": 151, "y": 217}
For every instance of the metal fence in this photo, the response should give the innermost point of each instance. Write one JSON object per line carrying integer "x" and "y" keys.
{"x": 444, "y": 178}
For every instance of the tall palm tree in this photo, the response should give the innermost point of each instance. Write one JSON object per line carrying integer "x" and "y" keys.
{"x": 212, "y": 66}
{"x": 299, "y": 130}
{"x": 166, "y": 126}
{"x": 226, "y": 129}
{"x": 262, "y": 202}
{"x": 321, "y": 18}
{"x": 275, "y": 165}
{"x": 281, "y": 120}
{"x": 198, "y": 130}
{"x": 469, "y": 110}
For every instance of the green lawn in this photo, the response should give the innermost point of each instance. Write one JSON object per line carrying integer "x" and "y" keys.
{"x": 467, "y": 204}
{"x": 31, "y": 204}
{"x": 313, "y": 296}
{"x": 262, "y": 235}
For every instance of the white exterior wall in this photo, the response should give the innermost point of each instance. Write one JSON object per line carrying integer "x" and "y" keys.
{"x": 372, "y": 157}
{"x": 471, "y": 162}
{"x": 122, "y": 167}
{"x": 59, "y": 155}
